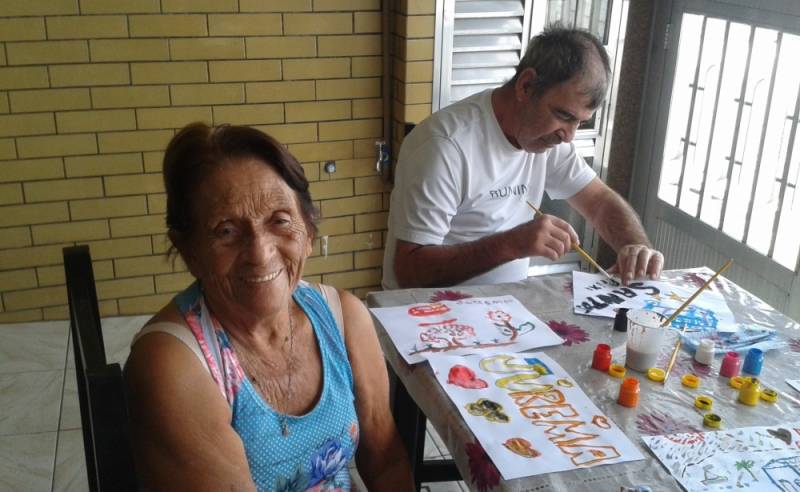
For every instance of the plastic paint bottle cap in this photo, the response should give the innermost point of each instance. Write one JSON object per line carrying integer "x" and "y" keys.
{"x": 730, "y": 365}
{"x": 616, "y": 371}
{"x": 738, "y": 381}
{"x": 705, "y": 352}
{"x": 601, "y": 359}
{"x": 690, "y": 380}
{"x": 703, "y": 402}
{"x": 753, "y": 361}
{"x": 629, "y": 393}
{"x": 656, "y": 374}
{"x": 769, "y": 395}
{"x": 712, "y": 420}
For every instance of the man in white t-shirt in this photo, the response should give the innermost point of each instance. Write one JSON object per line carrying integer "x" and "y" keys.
{"x": 458, "y": 211}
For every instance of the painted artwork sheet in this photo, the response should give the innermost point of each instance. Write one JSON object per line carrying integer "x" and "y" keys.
{"x": 749, "y": 458}
{"x": 529, "y": 414}
{"x": 464, "y": 326}
{"x": 595, "y": 295}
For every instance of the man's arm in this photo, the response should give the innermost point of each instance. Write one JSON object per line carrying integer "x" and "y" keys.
{"x": 618, "y": 224}
{"x": 418, "y": 265}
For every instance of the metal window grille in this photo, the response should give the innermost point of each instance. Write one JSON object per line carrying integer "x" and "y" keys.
{"x": 731, "y": 155}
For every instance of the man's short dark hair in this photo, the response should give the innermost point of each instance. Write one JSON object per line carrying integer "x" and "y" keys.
{"x": 559, "y": 54}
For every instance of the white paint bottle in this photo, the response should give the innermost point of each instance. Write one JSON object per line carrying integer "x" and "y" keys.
{"x": 705, "y": 352}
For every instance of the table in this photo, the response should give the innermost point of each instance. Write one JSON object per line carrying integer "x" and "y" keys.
{"x": 663, "y": 409}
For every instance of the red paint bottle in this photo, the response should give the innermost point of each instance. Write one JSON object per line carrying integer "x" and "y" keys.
{"x": 601, "y": 359}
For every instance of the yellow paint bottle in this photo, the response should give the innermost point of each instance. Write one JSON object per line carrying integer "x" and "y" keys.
{"x": 750, "y": 392}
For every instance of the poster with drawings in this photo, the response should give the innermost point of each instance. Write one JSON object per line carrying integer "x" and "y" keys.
{"x": 465, "y": 326}
{"x": 595, "y": 295}
{"x": 529, "y": 414}
{"x": 749, "y": 458}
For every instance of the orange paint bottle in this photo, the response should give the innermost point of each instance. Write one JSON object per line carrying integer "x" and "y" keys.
{"x": 629, "y": 393}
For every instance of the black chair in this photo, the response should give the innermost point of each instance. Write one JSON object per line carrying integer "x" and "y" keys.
{"x": 104, "y": 413}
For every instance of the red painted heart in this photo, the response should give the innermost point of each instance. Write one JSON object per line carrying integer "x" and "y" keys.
{"x": 465, "y": 377}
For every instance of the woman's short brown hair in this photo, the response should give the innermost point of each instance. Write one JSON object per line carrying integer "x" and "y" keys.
{"x": 198, "y": 149}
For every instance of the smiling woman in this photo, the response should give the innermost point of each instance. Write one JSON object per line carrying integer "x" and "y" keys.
{"x": 249, "y": 378}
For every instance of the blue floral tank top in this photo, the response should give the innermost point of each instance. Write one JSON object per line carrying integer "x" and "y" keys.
{"x": 315, "y": 453}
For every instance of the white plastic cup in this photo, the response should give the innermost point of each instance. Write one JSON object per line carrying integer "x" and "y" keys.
{"x": 645, "y": 338}
{"x": 705, "y": 352}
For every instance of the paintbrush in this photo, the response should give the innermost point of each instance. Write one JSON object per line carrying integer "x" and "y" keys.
{"x": 681, "y": 308}
{"x": 580, "y": 250}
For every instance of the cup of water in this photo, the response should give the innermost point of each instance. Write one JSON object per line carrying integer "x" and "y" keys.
{"x": 645, "y": 338}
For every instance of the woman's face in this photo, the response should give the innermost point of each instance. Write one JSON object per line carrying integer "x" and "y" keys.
{"x": 249, "y": 240}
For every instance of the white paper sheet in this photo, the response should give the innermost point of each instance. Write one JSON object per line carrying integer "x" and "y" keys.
{"x": 749, "y": 458}
{"x": 595, "y": 295}
{"x": 551, "y": 424}
{"x": 794, "y": 383}
{"x": 462, "y": 327}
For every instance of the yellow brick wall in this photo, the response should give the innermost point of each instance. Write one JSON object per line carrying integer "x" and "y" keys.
{"x": 92, "y": 90}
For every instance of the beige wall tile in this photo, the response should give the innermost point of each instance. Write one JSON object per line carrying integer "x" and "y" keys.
{"x": 136, "y": 226}
{"x": 167, "y": 25}
{"x": 249, "y": 114}
{"x": 15, "y": 237}
{"x": 339, "y": 188}
{"x": 317, "y": 111}
{"x": 259, "y": 92}
{"x": 103, "y": 120}
{"x": 22, "y": 28}
{"x": 171, "y": 117}
{"x": 133, "y": 184}
{"x": 204, "y": 94}
{"x": 10, "y": 194}
{"x": 309, "y": 152}
{"x": 367, "y": 108}
{"x": 117, "y": 7}
{"x": 108, "y": 207}
{"x": 129, "y": 287}
{"x": 372, "y": 222}
{"x": 322, "y": 68}
{"x": 336, "y": 23}
{"x": 206, "y": 48}
{"x": 26, "y": 124}
{"x": 371, "y": 184}
{"x": 140, "y": 140}
{"x": 33, "y": 298}
{"x": 39, "y": 7}
{"x": 69, "y": 232}
{"x": 143, "y": 304}
{"x": 281, "y": 47}
{"x": 348, "y": 88}
{"x": 173, "y": 282}
{"x": 367, "y": 22}
{"x": 332, "y": 263}
{"x": 274, "y": 6}
{"x": 368, "y": 259}
{"x": 350, "y": 280}
{"x": 30, "y": 256}
{"x": 339, "y": 5}
{"x": 367, "y": 66}
{"x": 244, "y": 70}
{"x": 130, "y": 97}
{"x": 23, "y": 77}
{"x": 198, "y": 5}
{"x": 108, "y": 50}
{"x": 89, "y": 74}
{"x": 169, "y": 72}
{"x": 104, "y": 164}
{"x": 244, "y": 24}
{"x": 121, "y": 248}
{"x": 56, "y": 145}
{"x": 292, "y": 133}
{"x": 54, "y": 275}
{"x": 351, "y": 129}
{"x": 63, "y": 189}
{"x": 49, "y": 100}
{"x": 144, "y": 265}
{"x": 353, "y": 45}
{"x": 351, "y": 206}
{"x": 334, "y": 225}
{"x": 31, "y": 169}
{"x": 87, "y": 27}
{"x": 17, "y": 280}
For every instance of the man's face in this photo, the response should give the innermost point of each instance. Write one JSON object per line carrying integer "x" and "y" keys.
{"x": 548, "y": 119}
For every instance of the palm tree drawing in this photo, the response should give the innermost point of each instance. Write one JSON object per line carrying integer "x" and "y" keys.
{"x": 746, "y": 465}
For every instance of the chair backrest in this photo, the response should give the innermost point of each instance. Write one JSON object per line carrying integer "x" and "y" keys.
{"x": 104, "y": 413}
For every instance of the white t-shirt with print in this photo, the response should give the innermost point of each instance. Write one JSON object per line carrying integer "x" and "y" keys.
{"x": 458, "y": 179}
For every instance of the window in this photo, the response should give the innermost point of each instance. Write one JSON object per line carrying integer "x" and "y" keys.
{"x": 731, "y": 157}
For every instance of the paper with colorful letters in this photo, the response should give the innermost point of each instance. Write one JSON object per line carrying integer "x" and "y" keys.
{"x": 529, "y": 414}
{"x": 465, "y": 326}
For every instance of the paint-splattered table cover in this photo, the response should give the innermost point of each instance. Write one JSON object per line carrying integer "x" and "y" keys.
{"x": 662, "y": 410}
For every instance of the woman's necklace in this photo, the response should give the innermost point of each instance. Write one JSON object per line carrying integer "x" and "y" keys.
{"x": 254, "y": 371}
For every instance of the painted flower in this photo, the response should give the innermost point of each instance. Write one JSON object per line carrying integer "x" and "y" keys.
{"x": 483, "y": 472}
{"x": 499, "y": 316}
{"x": 297, "y": 481}
{"x": 794, "y": 344}
{"x": 572, "y": 334}
{"x": 354, "y": 433}
{"x": 657, "y": 423}
{"x": 449, "y": 295}
{"x": 327, "y": 462}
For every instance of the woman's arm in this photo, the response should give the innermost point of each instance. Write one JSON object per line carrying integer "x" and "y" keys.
{"x": 381, "y": 458}
{"x": 180, "y": 422}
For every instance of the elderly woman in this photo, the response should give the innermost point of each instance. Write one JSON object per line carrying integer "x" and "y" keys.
{"x": 250, "y": 379}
